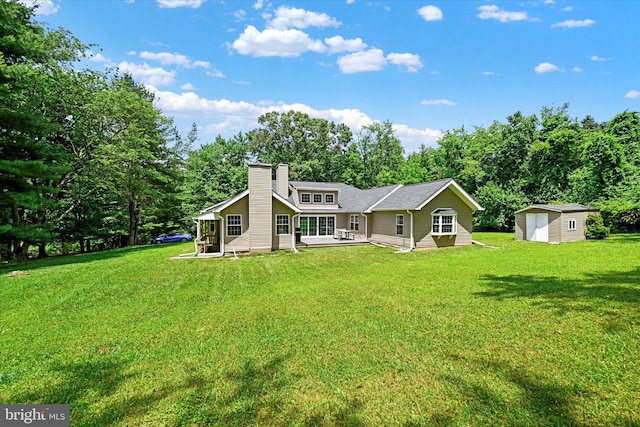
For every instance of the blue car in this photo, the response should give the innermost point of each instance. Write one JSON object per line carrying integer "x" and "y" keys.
{"x": 173, "y": 237}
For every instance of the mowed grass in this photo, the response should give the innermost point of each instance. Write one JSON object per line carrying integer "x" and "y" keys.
{"x": 527, "y": 334}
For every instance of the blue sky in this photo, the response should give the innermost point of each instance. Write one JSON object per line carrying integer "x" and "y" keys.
{"x": 426, "y": 66}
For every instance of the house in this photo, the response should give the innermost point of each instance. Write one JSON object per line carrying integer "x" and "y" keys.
{"x": 553, "y": 223}
{"x": 266, "y": 215}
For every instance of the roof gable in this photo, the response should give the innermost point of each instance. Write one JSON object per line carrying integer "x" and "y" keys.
{"x": 417, "y": 196}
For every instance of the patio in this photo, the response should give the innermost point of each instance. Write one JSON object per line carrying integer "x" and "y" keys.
{"x": 310, "y": 242}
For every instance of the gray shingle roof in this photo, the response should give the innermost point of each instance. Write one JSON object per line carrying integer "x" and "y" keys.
{"x": 412, "y": 196}
{"x": 567, "y": 207}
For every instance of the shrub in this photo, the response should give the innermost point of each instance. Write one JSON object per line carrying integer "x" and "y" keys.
{"x": 595, "y": 228}
{"x": 621, "y": 215}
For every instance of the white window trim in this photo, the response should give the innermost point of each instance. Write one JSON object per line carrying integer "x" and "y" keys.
{"x": 575, "y": 224}
{"x": 400, "y": 225}
{"x": 321, "y": 198}
{"x": 333, "y": 199}
{"x": 234, "y": 225}
{"x": 354, "y": 220}
{"x": 302, "y": 196}
{"x": 436, "y": 219}
{"x": 288, "y": 224}
{"x": 310, "y": 215}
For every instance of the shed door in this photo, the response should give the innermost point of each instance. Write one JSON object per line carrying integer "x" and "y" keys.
{"x": 538, "y": 227}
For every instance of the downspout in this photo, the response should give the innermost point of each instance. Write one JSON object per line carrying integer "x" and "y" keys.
{"x": 293, "y": 235}
{"x": 412, "y": 242}
{"x": 366, "y": 225}
{"x": 222, "y": 235}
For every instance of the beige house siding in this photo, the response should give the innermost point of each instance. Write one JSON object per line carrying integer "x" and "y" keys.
{"x": 383, "y": 228}
{"x": 553, "y": 225}
{"x": 558, "y": 226}
{"x": 296, "y": 195}
{"x": 422, "y": 222}
{"x": 282, "y": 241}
{"x": 581, "y": 226}
{"x": 240, "y": 243}
{"x": 521, "y": 225}
{"x": 362, "y": 223}
{"x": 260, "y": 207}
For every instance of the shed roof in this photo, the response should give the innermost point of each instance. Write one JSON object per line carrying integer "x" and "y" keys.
{"x": 567, "y": 207}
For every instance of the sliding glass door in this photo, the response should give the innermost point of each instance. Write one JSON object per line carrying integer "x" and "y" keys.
{"x": 317, "y": 225}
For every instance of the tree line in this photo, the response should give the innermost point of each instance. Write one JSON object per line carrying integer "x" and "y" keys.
{"x": 87, "y": 162}
{"x": 545, "y": 158}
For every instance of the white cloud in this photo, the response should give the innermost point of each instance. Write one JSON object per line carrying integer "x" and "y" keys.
{"x": 292, "y": 17}
{"x": 370, "y": 60}
{"x": 215, "y": 73}
{"x": 599, "y": 59}
{"x": 489, "y": 73}
{"x": 43, "y": 7}
{"x": 224, "y": 116}
{"x": 339, "y": 44}
{"x": 188, "y": 86}
{"x": 166, "y": 58}
{"x": 258, "y": 5}
{"x": 240, "y": 14}
{"x": 494, "y": 12}
{"x": 633, "y": 94}
{"x": 409, "y": 60}
{"x": 574, "y": 24}
{"x": 430, "y": 13}
{"x": 413, "y": 138}
{"x": 96, "y": 57}
{"x": 577, "y": 70}
{"x": 438, "y": 102}
{"x": 375, "y": 60}
{"x": 546, "y": 67}
{"x": 272, "y": 42}
{"x": 567, "y": 9}
{"x": 171, "y": 4}
{"x": 148, "y": 75}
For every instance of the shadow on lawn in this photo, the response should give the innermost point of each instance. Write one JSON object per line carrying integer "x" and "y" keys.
{"x": 256, "y": 398}
{"x": 34, "y": 264}
{"x": 536, "y": 401}
{"x": 586, "y": 294}
{"x": 93, "y": 388}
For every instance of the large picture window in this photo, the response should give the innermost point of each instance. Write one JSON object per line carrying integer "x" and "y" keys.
{"x": 354, "y": 222}
{"x": 444, "y": 222}
{"x": 400, "y": 225}
{"x": 282, "y": 224}
{"x": 234, "y": 225}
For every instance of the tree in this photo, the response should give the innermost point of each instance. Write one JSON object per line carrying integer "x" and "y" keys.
{"x": 136, "y": 157}
{"x": 34, "y": 66}
{"x": 215, "y": 172}
{"x": 381, "y": 154}
{"x": 312, "y": 147}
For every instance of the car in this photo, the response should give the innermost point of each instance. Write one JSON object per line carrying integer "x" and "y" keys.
{"x": 173, "y": 237}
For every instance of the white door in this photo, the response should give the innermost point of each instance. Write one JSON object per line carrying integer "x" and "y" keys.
{"x": 537, "y": 227}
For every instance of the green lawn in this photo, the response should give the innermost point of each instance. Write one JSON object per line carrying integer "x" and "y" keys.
{"x": 527, "y": 334}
